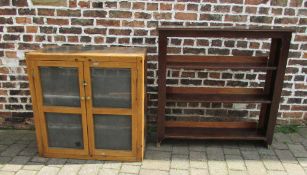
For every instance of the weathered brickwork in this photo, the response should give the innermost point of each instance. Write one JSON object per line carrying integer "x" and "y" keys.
{"x": 24, "y": 27}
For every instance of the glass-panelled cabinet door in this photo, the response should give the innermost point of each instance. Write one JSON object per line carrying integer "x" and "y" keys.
{"x": 111, "y": 112}
{"x": 61, "y": 103}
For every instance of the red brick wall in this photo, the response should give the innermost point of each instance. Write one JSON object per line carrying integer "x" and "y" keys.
{"x": 25, "y": 27}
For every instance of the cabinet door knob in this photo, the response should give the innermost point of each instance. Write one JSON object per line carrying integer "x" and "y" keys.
{"x": 88, "y": 98}
{"x": 82, "y": 98}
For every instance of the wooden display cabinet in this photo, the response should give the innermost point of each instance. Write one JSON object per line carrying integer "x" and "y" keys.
{"x": 89, "y": 102}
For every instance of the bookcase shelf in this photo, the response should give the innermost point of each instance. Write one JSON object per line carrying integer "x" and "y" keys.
{"x": 274, "y": 65}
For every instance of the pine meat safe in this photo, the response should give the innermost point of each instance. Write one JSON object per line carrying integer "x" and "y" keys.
{"x": 89, "y": 102}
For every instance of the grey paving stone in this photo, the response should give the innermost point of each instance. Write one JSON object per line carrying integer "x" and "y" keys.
{"x": 232, "y": 151}
{"x": 71, "y": 169}
{"x": 197, "y": 147}
{"x": 236, "y": 172}
{"x": 272, "y": 163}
{"x": 16, "y": 163}
{"x": 294, "y": 169}
{"x": 56, "y": 162}
{"x": 90, "y": 169}
{"x": 265, "y": 151}
{"x": 39, "y": 159}
{"x": 215, "y": 153}
{"x": 277, "y": 173}
{"x": 157, "y": 160}
{"x": 26, "y": 172}
{"x": 106, "y": 171}
{"x": 217, "y": 167}
{"x": 303, "y": 132}
{"x": 180, "y": 162}
{"x": 130, "y": 169}
{"x": 180, "y": 149}
{"x": 6, "y": 172}
{"x": 283, "y": 138}
{"x": 250, "y": 155}
{"x": 198, "y": 160}
{"x": 33, "y": 166}
{"x": 29, "y": 151}
{"x": 13, "y": 150}
{"x": 285, "y": 156}
{"x": 179, "y": 172}
{"x": 163, "y": 147}
{"x": 235, "y": 162}
{"x": 3, "y": 147}
{"x": 279, "y": 145}
{"x": 296, "y": 137}
{"x": 153, "y": 172}
{"x": 298, "y": 150}
{"x": 255, "y": 167}
{"x": 112, "y": 165}
{"x": 302, "y": 161}
{"x": 47, "y": 170}
{"x": 195, "y": 171}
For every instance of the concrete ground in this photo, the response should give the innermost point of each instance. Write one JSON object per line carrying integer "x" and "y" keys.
{"x": 288, "y": 155}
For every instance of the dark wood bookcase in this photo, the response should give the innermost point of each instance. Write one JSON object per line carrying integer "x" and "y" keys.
{"x": 269, "y": 96}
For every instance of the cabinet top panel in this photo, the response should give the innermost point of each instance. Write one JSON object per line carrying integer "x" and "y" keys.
{"x": 91, "y": 51}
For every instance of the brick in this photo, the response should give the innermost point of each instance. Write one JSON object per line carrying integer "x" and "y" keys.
{"x": 138, "y": 5}
{"x": 46, "y": 12}
{"x": 210, "y": 17}
{"x": 185, "y": 16}
{"x": 23, "y": 20}
{"x": 120, "y": 14}
{"x": 20, "y": 3}
{"x": 57, "y": 21}
{"x": 120, "y": 31}
{"x": 69, "y": 13}
{"x": 279, "y": 2}
{"x": 232, "y": 1}
{"x": 82, "y": 22}
{"x": 50, "y": 2}
{"x": 15, "y": 29}
{"x": 255, "y": 2}
{"x": 11, "y": 11}
{"x": 167, "y": 6}
{"x": 261, "y": 19}
{"x": 105, "y": 22}
{"x": 4, "y": 3}
{"x": 95, "y": 13}
{"x": 285, "y": 20}
{"x": 111, "y": 4}
{"x": 296, "y": 3}
{"x": 142, "y": 15}
{"x": 161, "y": 15}
{"x": 236, "y": 18}
{"x": 101, "y": 31}
{"x": 84, "y": 4}
{"x": 71, "y": 30}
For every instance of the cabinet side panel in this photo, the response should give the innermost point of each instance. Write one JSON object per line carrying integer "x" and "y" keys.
{"x": 34, "y": 106}
{"x": 141, "y": 92}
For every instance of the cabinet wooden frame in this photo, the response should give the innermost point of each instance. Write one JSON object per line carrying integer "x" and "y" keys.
{"x": 82, "y": 61}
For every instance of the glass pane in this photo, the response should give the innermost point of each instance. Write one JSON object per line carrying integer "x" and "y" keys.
{"x": 60, "y": 86}
{"x": 111, "y": 87}
{"x": 113, "y": 132}
{"x": 64, "y": 130}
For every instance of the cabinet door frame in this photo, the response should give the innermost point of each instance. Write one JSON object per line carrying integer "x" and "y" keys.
{"x": 129, "y": 112}
{"x": 60, "y": 109}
